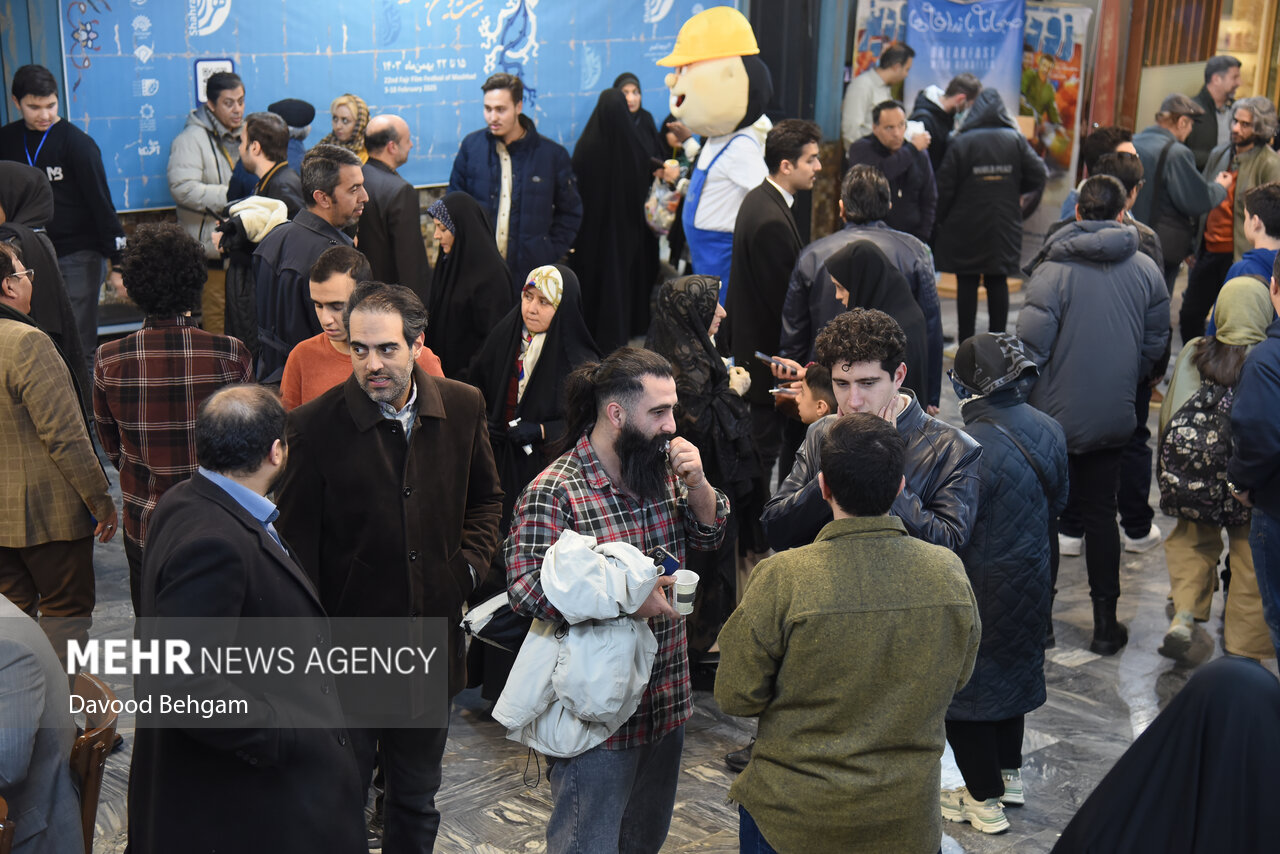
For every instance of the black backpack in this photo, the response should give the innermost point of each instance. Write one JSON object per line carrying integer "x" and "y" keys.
{"x": 1194, "y": 451}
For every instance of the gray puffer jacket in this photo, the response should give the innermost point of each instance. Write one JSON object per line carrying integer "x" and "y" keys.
{"x": 1096, "y": 319}
{"x": 201, "y": 161}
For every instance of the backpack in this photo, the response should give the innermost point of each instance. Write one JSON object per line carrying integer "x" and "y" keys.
{"x": 1192, "y": 468}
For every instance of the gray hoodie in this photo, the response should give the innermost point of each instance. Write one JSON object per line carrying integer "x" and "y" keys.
{"x": 1096, "y": 319}
{"x": 201, "y": 161}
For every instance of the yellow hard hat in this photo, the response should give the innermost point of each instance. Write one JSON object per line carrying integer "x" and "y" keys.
{"x": 714, "y": 33}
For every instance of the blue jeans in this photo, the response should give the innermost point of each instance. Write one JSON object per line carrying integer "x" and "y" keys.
{"x": 750, "y": 839}
{"x": 1264, "y": 542}
{"x": 609, "y": 801}
{"x": 83, "y": 273}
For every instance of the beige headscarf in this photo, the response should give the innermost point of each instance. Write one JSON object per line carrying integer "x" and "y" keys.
{"x": 547, "y": 281}
{"x": 1242, "y": 314}
{"x": 360, "y": 110}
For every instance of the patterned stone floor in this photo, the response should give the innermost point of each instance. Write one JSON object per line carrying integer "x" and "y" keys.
{"x": 494, "y": 800}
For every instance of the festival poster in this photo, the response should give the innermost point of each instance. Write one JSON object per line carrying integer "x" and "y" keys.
{"x": 950, "y": 37}
{"x": 880, "y": 23}
{"x": 1053, "y": 69}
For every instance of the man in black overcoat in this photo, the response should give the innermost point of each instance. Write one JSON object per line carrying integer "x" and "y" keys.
{"x": 392, "y": 500}
{"x": 390, "y": 233}
{"x": 283, "y": 776}
{"x": 766, "y": 243}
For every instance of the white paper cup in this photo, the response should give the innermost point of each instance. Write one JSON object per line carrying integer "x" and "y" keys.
{"x": 686, "y": 587}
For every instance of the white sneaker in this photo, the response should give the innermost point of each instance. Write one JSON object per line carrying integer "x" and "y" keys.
{"x": 1013, "y": 796}
{"x": 987, "y": 816}
{"x": 1143, "y": 544}
{"x": 1070, "y": 546}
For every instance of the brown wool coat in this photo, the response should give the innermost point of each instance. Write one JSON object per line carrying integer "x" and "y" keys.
{"x": 387, "y": 528}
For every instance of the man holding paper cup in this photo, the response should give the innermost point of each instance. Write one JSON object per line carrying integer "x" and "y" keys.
{"x": 624, "y": 477}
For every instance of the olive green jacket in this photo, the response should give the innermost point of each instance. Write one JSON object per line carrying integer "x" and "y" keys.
{"x": 849, "y": 651}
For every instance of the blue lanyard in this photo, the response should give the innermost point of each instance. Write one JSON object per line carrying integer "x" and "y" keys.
{"x": 31, "y": 160}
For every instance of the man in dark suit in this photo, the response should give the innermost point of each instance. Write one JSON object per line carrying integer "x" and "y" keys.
{"x": 390, "y": 234}
{"x": 281, "y": 776}
{"x": 766, "y": 243}
{"x": 1213, "y": 127}
{"x": 392, "y": 500}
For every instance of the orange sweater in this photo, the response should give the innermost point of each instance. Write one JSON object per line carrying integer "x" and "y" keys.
{"x": 314, "y": 367}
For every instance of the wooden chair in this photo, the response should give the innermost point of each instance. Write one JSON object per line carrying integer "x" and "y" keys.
{"x": 6, "y": 828}
{"x": 89, "y": 753}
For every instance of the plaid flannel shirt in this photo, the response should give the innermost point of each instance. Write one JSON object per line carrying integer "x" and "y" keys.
{"x": 146, "y": 390}
{"x": 575, "y": 493}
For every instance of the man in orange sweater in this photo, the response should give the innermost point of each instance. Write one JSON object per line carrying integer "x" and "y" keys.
{"x": 323, "y": 361}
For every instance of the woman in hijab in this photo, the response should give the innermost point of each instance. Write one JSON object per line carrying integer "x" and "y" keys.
{"x": 471, "y": 288}
{"x": 864, "y": 278}
{"x": 26, "y": 206}
{"x": 1195, "y": 444}
{"x": 642, "y": 119}
{"x": 1199, "y": 780}
{"x": 615, "y": 254}
{"x": 350, "y": 115}
{"x": 522, "y": 370}
{"x": 715, "y": 417}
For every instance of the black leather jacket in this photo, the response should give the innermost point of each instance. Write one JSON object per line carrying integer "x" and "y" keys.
{"x": 938, "y": 504}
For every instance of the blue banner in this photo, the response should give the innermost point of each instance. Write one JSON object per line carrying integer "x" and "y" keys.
{"x": 133, "y": 69}
{"x": 983, "y": 38}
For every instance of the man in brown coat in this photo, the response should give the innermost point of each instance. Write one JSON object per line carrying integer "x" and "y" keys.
{"x": 391, "y": 502}
{"x": 52, "y": 487}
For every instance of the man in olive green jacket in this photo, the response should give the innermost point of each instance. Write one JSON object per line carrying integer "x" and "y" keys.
{"x": 849, "y": 650}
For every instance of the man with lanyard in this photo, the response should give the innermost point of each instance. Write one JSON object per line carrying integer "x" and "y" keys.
{"x": 716, "y": 67}
{"x": 85, "y": 230}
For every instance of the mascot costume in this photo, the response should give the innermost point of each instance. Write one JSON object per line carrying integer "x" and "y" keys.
{"x": 719, "y": 89}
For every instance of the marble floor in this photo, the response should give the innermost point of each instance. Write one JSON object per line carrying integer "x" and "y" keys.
{"x": 495, "y": 799}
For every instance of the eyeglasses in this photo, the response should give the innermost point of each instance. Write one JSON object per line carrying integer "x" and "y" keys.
{"x": 30, "y": 274}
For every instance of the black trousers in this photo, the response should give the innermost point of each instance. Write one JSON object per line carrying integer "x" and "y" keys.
{"x": 1136, "y": 514}
{"x": 1095, "y": 482}
{"x": 1204, "y": 281}
{"x": 411, "y": 766}
{"x": 983, "y": 749}
{"x": 967, "y": 302}
{"x": 133, "y": 556}
{"x": 1132, "y": 497}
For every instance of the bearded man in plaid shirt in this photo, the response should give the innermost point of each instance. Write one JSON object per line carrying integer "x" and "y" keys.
{"x": 148, "y": 386}
{"x": 625, "y": 478}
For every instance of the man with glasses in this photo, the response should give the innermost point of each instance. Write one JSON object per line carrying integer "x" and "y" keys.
{"x": 914, "y": 193}
{"x": 53, "y": 490}
{"x": 1247, "y": 161}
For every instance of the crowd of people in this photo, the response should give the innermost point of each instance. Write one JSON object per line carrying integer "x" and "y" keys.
{"x": 314, "y": 422}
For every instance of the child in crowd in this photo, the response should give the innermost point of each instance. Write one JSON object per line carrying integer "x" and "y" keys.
{"x": 815, "y": 398}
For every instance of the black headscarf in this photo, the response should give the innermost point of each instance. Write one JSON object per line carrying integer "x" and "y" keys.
{"x": 567, "y": 345}
{"x": 872, "y": 282}
{"x": 615, "y": 254}
{"x": 642, "y": 119}
{"x": 712, "y": 416}
{"x": 27, "y": 200}
{"x": 471, "y": 288}
{"x": 1200, "y": 779}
